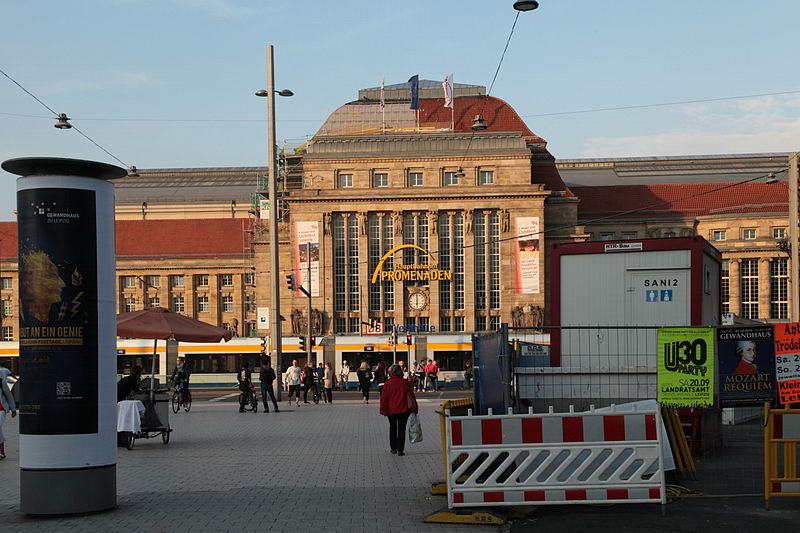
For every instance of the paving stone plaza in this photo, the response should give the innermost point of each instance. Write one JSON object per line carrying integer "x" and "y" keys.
{"x": 309, "y": 468}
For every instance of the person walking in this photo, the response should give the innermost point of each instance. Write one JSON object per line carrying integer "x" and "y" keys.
{"x": 328, "y": 383}
{"x": 468, "y": 375}
{"x": 419, "y": 374}
{"x": 380, "y": 376}
{"x": 364, "y": 379}
{"x": 293, "y": 382}
{"x": 397, "y": 404}
{"x": 266, "y": 375}
{"x": 344, "y": 376}
{"x": 7, "y": 405}
{"x": 308, "y": 379}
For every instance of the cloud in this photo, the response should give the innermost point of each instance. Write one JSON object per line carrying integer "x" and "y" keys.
{"x": 131, "y": 78}
{"x": 761, "y": 103}
{"x": 781, "y": 137}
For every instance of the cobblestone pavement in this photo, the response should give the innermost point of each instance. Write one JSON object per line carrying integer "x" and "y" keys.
{"x": 323, "y": 468}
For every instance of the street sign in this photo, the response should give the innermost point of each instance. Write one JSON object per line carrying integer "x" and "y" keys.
{"x": 376, "y": 328}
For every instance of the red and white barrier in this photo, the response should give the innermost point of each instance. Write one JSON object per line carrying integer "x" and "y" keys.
{"x": 555, "y": 458}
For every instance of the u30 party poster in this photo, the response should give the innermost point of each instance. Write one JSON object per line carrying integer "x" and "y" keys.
{"x": 686, "y": 367}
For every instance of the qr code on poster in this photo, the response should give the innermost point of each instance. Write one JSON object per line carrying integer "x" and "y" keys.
{"x": 63, "y": 388}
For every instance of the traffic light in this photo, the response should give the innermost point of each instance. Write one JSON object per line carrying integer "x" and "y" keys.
{"x": 303, "y": 344}
{"x": 290, "y": 282}
{"x": 263, "y": 345}
{"x": 408, "y": 340}
{"x": 313, "y": 340}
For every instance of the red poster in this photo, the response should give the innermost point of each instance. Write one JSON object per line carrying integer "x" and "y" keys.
{"x": 787, "y": 361}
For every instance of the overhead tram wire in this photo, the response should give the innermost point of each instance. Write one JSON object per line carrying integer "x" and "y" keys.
{"x": 600, "y": 219}
{"x": 59, "y": 117}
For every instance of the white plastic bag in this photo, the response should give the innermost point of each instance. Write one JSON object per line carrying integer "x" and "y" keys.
{"x": 414, "y": 428}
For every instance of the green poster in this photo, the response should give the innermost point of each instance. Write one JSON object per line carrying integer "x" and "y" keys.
{"x": 686, "y": 367}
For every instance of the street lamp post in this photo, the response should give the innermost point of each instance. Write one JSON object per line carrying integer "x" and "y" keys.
{"x": 275, "y": 314}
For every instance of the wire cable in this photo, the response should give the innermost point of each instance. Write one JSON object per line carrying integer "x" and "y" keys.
{"x": 15, "y": 82}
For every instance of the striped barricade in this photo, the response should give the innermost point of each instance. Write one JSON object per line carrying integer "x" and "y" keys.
{"x": 781, "y": 435}
{"x": 555, "y": 458}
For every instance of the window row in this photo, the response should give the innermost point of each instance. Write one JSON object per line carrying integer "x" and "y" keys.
{"x": 747, "y": 234}
{"x": 178, "y": 304}
{"x": 446, "y": 177}
{"x": 176, "y": 280}
{"x": 750, "y": 286}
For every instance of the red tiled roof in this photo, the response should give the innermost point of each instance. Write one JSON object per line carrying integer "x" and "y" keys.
{"x": 218, "y": 237}
{"x": 182, "y": 237}
{"x": 497, "y": 114}
{"x": 681, "y": 199}
{"x": 8, "y": 240}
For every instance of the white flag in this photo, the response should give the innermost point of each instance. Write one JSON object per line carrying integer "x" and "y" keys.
{"x": 447, "y": 85}
{"x": 382, "y": 95}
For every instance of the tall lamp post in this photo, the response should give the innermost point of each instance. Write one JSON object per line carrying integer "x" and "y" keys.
{"x": 275, "y": 314}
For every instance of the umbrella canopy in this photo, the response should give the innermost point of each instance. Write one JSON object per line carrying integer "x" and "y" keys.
{"x": 160, "y": 323}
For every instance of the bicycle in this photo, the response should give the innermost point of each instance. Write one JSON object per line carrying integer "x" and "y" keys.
{"x": 181, "y": 397}
{"x": 250, "y": 401}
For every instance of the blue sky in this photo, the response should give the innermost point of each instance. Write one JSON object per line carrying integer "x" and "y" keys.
{"x": 170, "y": 83}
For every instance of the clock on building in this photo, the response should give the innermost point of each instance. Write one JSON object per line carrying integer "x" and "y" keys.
{"x": 417, "y": 301}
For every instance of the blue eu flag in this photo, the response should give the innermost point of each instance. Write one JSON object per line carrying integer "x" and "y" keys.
{"x": 413, "y": 82}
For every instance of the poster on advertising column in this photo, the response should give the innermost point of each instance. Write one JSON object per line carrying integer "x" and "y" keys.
{"x": 686, "y": 367}
{"x": 746, "y": 366}
{"x": 526, "y": 252}
{"x": 306, "y": 250}
{"x": 787, "y": 361}
{"x": 58, "y": 335}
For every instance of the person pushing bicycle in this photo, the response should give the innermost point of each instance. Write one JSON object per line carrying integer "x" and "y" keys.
{"x": 245, "y": 385}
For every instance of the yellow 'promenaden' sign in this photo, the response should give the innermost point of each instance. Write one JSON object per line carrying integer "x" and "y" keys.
{"x": 414, "y": 272}
{"x": 686, "y": 367}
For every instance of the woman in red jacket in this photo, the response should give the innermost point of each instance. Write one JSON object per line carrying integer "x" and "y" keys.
{"x": 397, "y": 404}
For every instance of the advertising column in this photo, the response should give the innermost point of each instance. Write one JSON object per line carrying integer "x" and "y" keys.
{"x": 67, "y": 335}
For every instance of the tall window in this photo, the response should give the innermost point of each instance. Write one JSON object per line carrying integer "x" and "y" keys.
{"x": 202, "y": 304}
{"x": 154, "y": 301}
{"x": 8, "y": 333}
{"x": 777, "y": 233}
{"x": 445, "y": 324}
{"x": 176, "y": 281}
{"x": 346, "y": 293}
{"x": 725, "y": 287}
{"x": 129, "y": 305}
{"x": 748, "y": 269}
{"x": 7, "y": 283}
{"x": 202, "y": 280}
{"x": 628, "y": 236}
{"x": 153, "y": 281}
{"x": 380, "y": 240}
{"x": 415, "y": 179}
{"x": 494, "y": 323}
{"x": 226, "y": 280}
{"x": 8, "y": 307}
{"x": 415, "y": 231}
{"x": 250, "y": 278}
{"x": 749, "y": 234}
{"x": 178, "y": 304}
{"x": 449, "y": 179}
{"x": 458, "y": 323}
{"x": 354, "y": 325}
{"x": 451, "y": 257}
{"x": 779, "y": 288}
{"x": 128, "y": 282}
{"x": 380, "y": 179}
{"x": 486, "y": 177}
{"x": 339, "y": 325}
{"x": 487, "y": 260}
{"x": 480, "y": 323}
{"x": 345, "y": 181}
{"x": 227, "y": 304}
{"x": 719, "y": 235}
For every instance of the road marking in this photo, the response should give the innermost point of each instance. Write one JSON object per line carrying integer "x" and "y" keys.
{"x": 220, "y": 398}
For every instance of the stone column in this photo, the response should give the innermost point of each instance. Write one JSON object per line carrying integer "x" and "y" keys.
{"x": 735, "y": 286}
{"x": 765, "y": 289}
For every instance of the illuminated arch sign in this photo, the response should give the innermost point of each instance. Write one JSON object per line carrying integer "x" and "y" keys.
{"x": 421, "y": 272}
